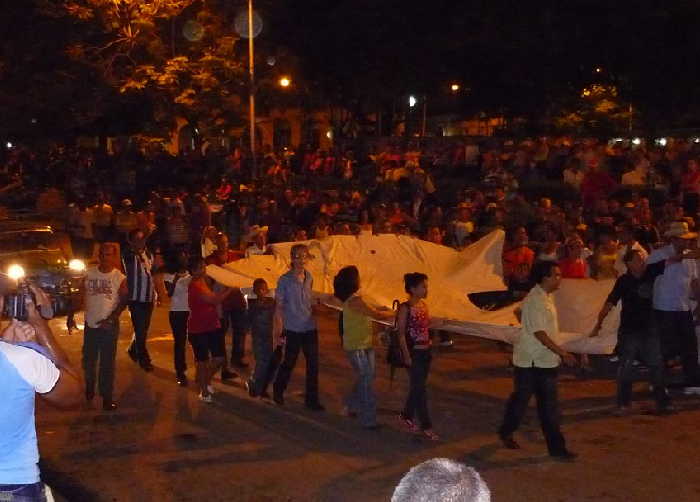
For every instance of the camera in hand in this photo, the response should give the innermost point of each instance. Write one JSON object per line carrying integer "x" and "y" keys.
{"x": 16, "y": 302}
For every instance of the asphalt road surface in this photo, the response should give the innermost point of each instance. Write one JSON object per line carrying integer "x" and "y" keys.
{"x": 163, "y": 444}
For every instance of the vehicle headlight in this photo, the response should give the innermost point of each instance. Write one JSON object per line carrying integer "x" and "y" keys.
{"x": 76, "y": 265}
{"x": 15, "y": 272}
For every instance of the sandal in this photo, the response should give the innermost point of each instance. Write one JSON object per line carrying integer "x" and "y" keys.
{"x": 431, "y": 435}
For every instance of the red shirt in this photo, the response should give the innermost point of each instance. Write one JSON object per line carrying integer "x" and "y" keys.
{"x": 573, "y": 268}
{"x": 203, "y": 316}
{"x": 516, "y": 257}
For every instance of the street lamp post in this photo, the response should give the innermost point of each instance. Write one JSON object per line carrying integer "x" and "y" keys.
{"x": 251, "y": 94}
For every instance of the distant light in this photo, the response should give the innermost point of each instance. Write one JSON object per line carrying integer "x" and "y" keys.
{"x": 636, "y": 141}
{"x": 271, "y": 60}
{"x": 454, "y": 87}
{"x": 661, "y": 141}
{"x": 412, "y": 101}
{"x": 34, "y": 121}
{"x": 9, "y": 145}
{"x": 77, "y": 265}
{"x": 15, "y": 272}
{"x": 598, "y": 69}
{"x": 285, "y": 82}
{"x": 618, "y": 140}
{"x": 696, "y": 140}
{"x": 329, "y": 134}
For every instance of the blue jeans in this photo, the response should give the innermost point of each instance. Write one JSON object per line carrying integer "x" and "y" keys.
{"x": 417, "y": 401}
{"x": 23, "y": 493}
{"x": 362, "y": 400}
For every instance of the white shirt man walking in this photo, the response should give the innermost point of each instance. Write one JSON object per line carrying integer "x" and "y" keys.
{"x": 536, "y": 358}
{"x": 105, "y": 299}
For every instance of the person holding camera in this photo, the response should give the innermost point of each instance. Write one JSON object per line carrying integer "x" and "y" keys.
{"x": 31, "y": 362}
{"x": 105, "y": 299}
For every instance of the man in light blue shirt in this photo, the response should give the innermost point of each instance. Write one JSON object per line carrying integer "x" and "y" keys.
{"x": 30, "y": 362}
{"x": 296, "y": 324}
{"x": 673, "y": 316}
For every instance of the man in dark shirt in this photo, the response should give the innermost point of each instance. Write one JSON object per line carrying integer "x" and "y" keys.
{"x": 635, "y": 290}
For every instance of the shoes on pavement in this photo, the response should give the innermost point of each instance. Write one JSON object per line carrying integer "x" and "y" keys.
{"x": 182, "y": 380}
{"x": 250, "y": 388}
{"x": 315, "y": 407}
{"x": 211, "y": 390}
{"x": 239, "y": 363}
{"x": 509, "y": 442}
{"x": 205, "y": 398}
{"x": 430, "y": 434}
{"x": 409, "y": 424}
{"x": 109, "y": 405}
{"x": 132, "y": 355}
{"x": 564, "y": 456}
{"x": 228, "y": 375}
{"x": 278, "y": 399}
{"x": 347, "y": 412}
{"x": 691, "y": 389}
{"x": 614, "y": 359}
{"x": 446, "y": 343}
{"x": 146, "y": 366}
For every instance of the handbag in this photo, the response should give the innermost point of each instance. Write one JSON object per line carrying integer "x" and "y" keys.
{"x": 394, "y": 354}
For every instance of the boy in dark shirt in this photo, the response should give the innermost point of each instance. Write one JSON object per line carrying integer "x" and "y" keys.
{"x": 261, "y": 313}
{"x": 635, "y": 290}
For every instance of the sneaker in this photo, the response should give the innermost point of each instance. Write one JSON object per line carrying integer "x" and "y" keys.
{"x": 211, "y": 389}
{"x": 278, "y": 399}
{"x": 205, "y": 399}
{"x": 347, "y": 412}
{"x": 182, "y": 380}
{"x": 228, "y": 375}
{"x": 446, "y": 343}
{"x": 614, "y": 359}
{"x": 409, "y": 424}
{"x": 691, "y": 389}
{"x": 431, "y": 435}
{"x": 509, "y": 442}
{"x": 249, "y": 387}
{"x": 564, "y": 456}
{"x": 316, "y": 407}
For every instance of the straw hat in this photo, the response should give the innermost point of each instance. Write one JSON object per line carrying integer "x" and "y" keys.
{"x": 680, "y": 230}
{"x": 254, "y": 231}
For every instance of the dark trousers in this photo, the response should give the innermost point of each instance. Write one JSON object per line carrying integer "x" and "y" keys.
{"x": 178, "y": 324}
{"x": 417, "y": 401}
{"x": 237, "y": 319}
{"x": 99, "y": 344}
{"x": 648, "y": 347}
{"x": 543, "y": 383}
{"x": 676, "y": 332}
{"x": 267, "y": 361}
{"x": 308, "y": 342}
{"x": 141, "y": 321}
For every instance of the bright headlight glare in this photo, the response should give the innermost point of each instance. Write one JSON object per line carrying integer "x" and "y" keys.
{"x": 15, "y": 272}
{"x": 76, "y": 265}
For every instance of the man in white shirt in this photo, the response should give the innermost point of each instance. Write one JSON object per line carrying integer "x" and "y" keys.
{"x": 536, "y": 358}
{"x": 673, "y": 316}
{"x": 105, "y": 299}
{"x": 31, "y": 362}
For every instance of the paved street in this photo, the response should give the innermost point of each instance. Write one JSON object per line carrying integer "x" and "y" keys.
{"x": 162, "y": 444}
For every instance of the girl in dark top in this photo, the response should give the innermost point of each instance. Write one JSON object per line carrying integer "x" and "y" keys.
{"x": 413, "y": 324}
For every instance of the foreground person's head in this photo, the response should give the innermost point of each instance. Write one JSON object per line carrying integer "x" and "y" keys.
{"x": 441, "y": 479}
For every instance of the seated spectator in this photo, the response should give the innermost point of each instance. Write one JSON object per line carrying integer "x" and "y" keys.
{"x": 574, "y": 263}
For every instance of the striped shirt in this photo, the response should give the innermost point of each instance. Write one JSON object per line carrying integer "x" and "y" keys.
{"x": 138, "y": 276}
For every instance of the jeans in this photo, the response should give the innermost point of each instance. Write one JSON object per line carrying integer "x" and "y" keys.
{"x": 23, "y": 493}
{"x": 99, "y": 343}
{"x": 178, "y": 324}
{"x": 648, "y": 347}
{"x": 239, "y": 328}
{"x": 141, "y": 321}
{"x": 362, "y": 400}
{"x": 296, "y": 341}
{"x": 543, "y": 383}
{"x": 417, "y": 401}
{"x": 266, "y": 362}
{"x": 676, "y": 332}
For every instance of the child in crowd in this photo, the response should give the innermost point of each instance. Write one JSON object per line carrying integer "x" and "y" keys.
{"x": 261, "y": 313}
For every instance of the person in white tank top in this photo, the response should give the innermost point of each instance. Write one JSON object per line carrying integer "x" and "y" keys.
{"x": 106, "y": 295}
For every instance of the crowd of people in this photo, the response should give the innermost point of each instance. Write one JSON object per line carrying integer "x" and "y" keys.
{"x": 570, "y": 209}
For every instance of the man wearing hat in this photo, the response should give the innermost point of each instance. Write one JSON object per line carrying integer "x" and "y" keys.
{"x": 673, "y": 316}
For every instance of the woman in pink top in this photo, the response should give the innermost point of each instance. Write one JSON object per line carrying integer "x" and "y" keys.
{"x": 413, "y": 324}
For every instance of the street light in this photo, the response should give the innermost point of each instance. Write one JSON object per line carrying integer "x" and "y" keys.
{"x": 412, "y": 101}
{"x": 285, "y": 82}
{"x": 454, "y": 87}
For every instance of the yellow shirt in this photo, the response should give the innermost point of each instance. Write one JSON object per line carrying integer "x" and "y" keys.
{"x": 357, "y": 328}
{"x": 538, "y": 314}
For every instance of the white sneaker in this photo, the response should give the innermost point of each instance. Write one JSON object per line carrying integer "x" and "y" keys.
{"x": 691, "y": 390}
{"x": 614, "y": 359}
{"x": 211, "y": 389}
{"x": 205, "y": 399}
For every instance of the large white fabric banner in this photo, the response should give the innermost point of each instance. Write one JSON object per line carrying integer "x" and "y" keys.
{"x": 383, "y": 260}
